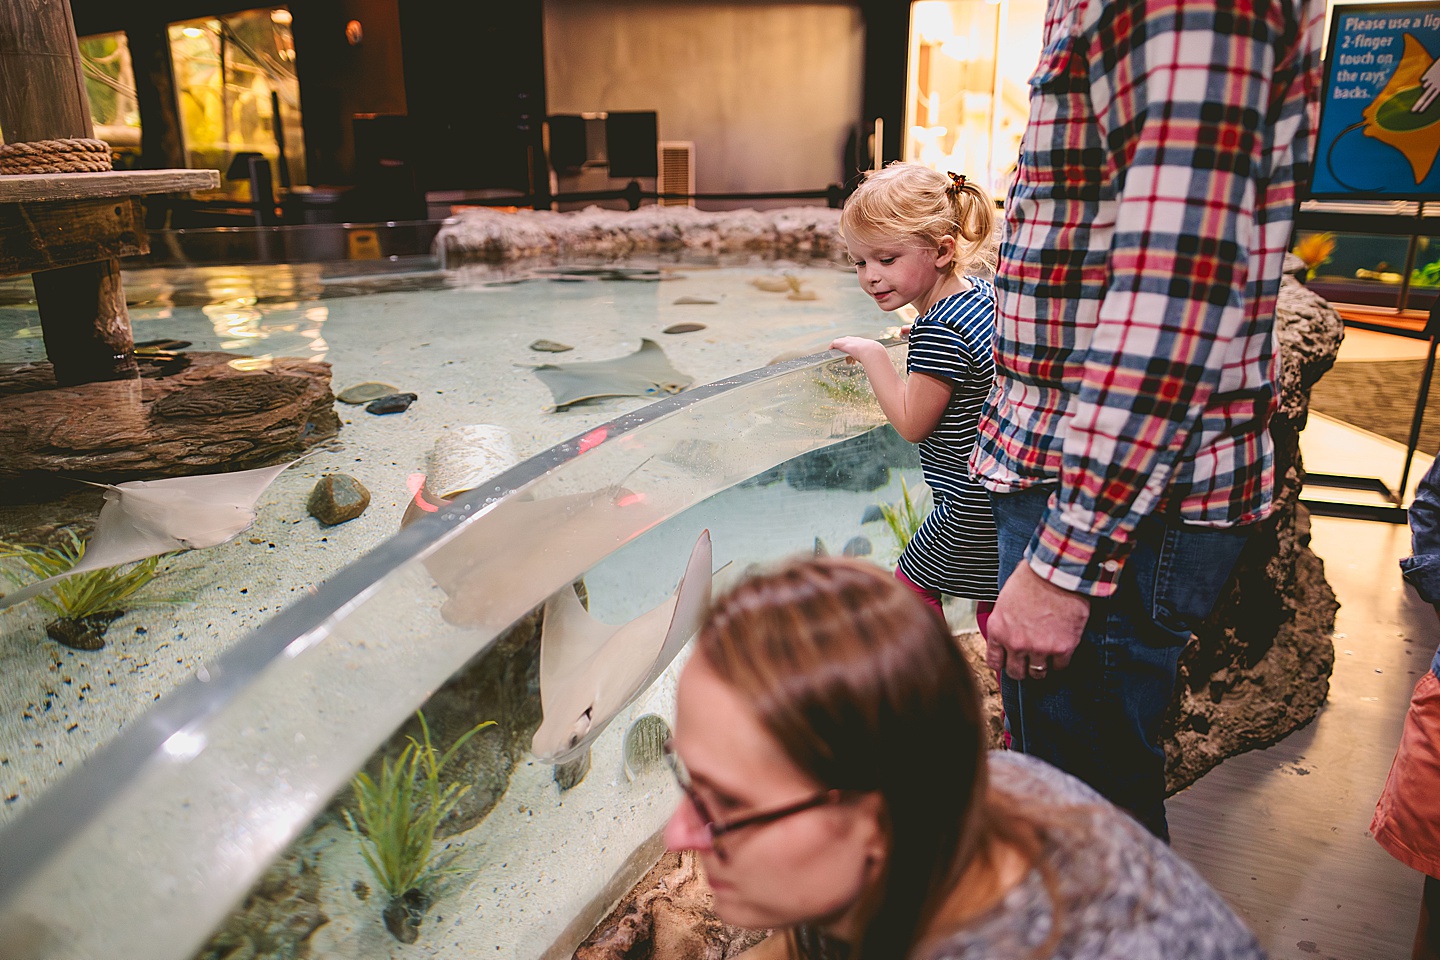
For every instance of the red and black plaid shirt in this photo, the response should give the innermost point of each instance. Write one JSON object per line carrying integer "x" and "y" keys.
{"x": 1135, "y": 351}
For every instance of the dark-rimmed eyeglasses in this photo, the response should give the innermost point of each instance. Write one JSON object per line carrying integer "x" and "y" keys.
{"x": 715, "y": 829}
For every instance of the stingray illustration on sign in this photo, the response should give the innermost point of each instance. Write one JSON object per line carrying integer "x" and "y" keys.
{"x": 590, "y": 671}
{"x": 1397, "y": 117}
{"x": 645, "y": 373}
{"x": 147, "y": 518}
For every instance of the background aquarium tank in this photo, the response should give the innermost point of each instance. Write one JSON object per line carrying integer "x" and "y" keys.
{"x": 406, "y": 762}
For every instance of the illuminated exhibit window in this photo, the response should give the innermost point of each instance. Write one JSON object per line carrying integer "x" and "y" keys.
{"x": 968, "y": 95}
{"x": 232, "y": 75}
{"x": 110, "y": 86}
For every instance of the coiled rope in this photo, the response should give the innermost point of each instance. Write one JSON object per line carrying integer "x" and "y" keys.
{"x": 55, "y": 156}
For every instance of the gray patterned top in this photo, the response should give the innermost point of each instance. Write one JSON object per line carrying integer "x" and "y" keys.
{"x": 1124, "y": 894}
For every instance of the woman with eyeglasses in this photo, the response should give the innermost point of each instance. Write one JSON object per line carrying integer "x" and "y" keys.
{"x": 838, "y": 791}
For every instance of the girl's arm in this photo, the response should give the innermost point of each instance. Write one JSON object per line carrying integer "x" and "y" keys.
{"x": 913, "y": 404}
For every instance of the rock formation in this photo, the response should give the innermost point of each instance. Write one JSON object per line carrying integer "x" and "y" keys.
{"x": 188, "y": 413}
{"x": 667, "y": 916}
{"x": 1261, "y": 666}
{"x": 486, "y": 235}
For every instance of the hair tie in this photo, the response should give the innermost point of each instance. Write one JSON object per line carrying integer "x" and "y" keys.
{"x": 957, "y": 181}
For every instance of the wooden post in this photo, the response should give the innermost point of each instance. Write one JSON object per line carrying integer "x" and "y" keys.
{"x": 42, "y": 97}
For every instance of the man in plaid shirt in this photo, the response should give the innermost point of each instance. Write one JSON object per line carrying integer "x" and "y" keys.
{"x": 1125, "y": 442}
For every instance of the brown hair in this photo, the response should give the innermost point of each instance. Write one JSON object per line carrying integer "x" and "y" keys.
{"x": 910, "y": 201}
{"x": 863, "y": 687}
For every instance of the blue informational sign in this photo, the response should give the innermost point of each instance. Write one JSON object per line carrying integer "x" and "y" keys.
{"x": 1380, "y": 113}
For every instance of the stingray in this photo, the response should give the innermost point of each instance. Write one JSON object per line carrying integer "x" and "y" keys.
{"x": 590, "y": 671}
{"x": 644, "y": 373}
{"x": 145, "y": 518}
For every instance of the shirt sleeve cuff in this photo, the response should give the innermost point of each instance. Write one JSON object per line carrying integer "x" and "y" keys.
{"x": 1076, "y": 559}
{"x": 1423, "y": 573}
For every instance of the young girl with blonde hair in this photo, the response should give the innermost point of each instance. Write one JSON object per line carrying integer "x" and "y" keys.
{"x": 913, "y": 235}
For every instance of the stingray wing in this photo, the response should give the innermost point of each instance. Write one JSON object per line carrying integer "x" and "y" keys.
{"x": 619, "y": 663}
{"x": 571, "y": 643}
{"x": 692, "y": 605}
{"x": 202, "y": 511}
{"x": 145, "y": 518}
{"x": 569, "y": 640}
{"x": 650, "y": 362}
{"x": 486, "y": 581}
{"x": 119, "y": 537}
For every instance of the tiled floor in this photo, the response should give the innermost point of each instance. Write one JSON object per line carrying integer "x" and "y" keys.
{"x": 1283, "y": 832}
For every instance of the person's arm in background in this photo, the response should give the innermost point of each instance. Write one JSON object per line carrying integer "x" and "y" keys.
{"x": 1180, "y": 107}
{"x": 1422, "y": 568}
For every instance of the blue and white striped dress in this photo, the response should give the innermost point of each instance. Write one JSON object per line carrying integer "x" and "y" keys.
{"x": 955, "y": 549}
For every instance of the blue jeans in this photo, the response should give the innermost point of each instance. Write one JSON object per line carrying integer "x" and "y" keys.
{"x": 1099, "y": 718}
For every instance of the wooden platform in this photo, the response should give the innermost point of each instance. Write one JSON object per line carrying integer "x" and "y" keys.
{"x": 24, "y": 188}
{"x": 55, "y": 220}
{"x": 1405, "y": 323}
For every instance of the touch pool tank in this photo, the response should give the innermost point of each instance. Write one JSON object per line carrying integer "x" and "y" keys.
{"x": 225, "y": 822}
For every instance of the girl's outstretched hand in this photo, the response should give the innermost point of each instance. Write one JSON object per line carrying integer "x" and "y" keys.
{"x": 859, "y": 348}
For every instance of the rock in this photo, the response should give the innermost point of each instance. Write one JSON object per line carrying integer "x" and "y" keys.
{"x": 394, "y": 403}
{"x": 819, "y": 549}
{"x": 1260, "y": 665}
{"x": 684, "y": 327}
{"x": 694, "y": 302}
{"x": 668, "y": 915}
{"x": 365, "y": 392}
{"x": 487, "y": 235}
{"x": 502, "y": 684}
{"x": 220, "y": 398}
{"x": 403, "y": 915}
{"x": 859, "y": 464}
{"x": 466, "y": 456}
{"x": 279, "y": 915}
{"x": 772, "y": 284}
{"x": 858, "y": 547}
{"x": 872, "y": 514}
{"x": 170, "y": 425}
{"x": 337, "y": 498}
{"x": 82, "y": 633}
{"x": 550, "y": 346}
{"x": 569, "y": 775}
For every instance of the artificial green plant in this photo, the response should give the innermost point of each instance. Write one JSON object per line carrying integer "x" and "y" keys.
{"x": 108, "y": 590}
{"x": 903, "y": 517}
{"x": 398, "y": 814}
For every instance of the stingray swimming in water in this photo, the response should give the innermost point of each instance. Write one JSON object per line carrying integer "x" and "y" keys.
{"x": 590, "y": 671}
{"x": 644, "y": 373}
{"x": 145, "y": 518}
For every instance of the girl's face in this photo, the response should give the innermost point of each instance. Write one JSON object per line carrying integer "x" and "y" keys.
{"x": 813, "y": 866}
{"x": 896, "y": 273}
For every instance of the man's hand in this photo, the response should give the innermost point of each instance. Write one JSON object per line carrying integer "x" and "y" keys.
{"x": 1035, "y": 626}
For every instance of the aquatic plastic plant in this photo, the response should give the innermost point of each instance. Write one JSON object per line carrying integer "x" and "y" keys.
{"x": 86, "y": 603}
{"x": 1315, "y": 250}
{"x": 398, "y": 816}
{"x": 903, "y": 517}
